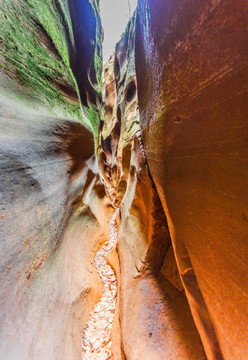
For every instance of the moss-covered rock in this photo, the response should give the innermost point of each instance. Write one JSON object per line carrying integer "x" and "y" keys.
{"x": 49, "y": 231}
{"x": 35, "y": 40}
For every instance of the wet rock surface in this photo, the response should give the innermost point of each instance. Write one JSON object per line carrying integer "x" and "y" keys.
{"x": 97, "y": 332}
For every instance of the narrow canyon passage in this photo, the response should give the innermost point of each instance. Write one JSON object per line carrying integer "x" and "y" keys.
{"x": 123, "y": 183}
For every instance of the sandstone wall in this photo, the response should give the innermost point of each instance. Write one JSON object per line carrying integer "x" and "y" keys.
{"x": 191, "y": 62}
{"x": 169, "y": 144}
{"x": 53, "y": 206}
{"x": 153, "y": 317}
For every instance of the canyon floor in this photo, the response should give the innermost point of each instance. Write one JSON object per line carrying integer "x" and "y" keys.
{"x": 97, "y": 331}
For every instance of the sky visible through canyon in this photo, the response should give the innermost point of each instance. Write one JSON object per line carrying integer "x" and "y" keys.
{"x": 115, "y": 15}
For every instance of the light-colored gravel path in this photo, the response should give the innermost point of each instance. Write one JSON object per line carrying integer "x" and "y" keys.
{"x": 97, "y": 332}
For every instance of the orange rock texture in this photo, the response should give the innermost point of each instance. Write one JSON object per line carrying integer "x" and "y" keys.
{"x": 153, "y": 317}
{"x": 192, "y": 67}
{"x": 162, "y": 133}
{"x": 181, "y": 180}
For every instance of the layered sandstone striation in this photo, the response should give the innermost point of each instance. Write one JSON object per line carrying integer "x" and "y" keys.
{"x": 161, "y": 132}
{"x": 54, "y": 209}
{"x": 153, "y": 319}
{"x": 192, "y": 66}
{"x": 186, "y": 169}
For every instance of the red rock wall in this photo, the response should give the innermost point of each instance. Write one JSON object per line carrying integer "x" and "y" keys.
{"x": 178, "y": 162}
{"x": 191, "y": 63}
{"x": 153, "y": 319}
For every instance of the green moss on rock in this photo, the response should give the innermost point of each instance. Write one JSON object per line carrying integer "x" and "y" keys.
{"x": 34, "y": 39}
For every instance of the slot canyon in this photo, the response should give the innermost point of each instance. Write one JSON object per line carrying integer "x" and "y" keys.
{"x": 124, "y": 204}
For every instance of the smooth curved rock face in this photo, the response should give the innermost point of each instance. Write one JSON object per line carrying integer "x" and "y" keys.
{"x": 180, "y": 187}
{"x": 153, "y": 319}
{"x": 86, "y": 57}
{"x": 192, "y": 66}
{"x": 53, "y": 205}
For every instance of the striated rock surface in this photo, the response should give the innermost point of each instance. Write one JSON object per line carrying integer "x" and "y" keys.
{"x": 152, "y": 317}
{"x": 187, "y": 169}
{"x": 53, "y": 205}
{"x": 191, "y": 62}
{"x": 166, "y": 144}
